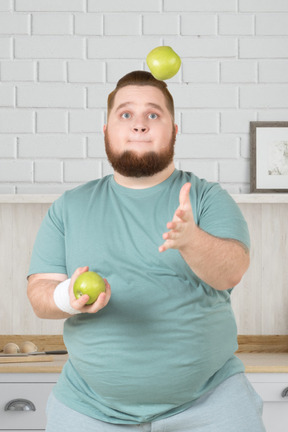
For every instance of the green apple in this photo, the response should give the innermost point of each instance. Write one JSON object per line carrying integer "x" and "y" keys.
{"x": 90, "y": 283}
{"x": 163, "y": 62}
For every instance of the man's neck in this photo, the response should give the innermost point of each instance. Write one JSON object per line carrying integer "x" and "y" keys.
{"x": 144, "y": 182}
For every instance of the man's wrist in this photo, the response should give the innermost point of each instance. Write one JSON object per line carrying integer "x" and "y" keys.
{"x": 62, "y": 298}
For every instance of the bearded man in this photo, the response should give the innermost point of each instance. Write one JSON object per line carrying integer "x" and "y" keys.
{"x": 157, "y": 354}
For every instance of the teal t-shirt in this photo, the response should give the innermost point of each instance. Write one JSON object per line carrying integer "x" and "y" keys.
{"x": 165, "y": 338}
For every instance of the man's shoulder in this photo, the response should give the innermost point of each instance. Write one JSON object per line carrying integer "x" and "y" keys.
{"x": 198, "y": 185}
{"x": 87, "y": 189}
{"x": 82, "y": 194}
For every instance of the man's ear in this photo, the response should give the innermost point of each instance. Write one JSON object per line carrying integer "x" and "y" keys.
{"x": 104, "y": 128}
{"x": 176, "y": 129}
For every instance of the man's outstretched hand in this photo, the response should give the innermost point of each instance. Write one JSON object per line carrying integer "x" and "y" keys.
{"x": 182, "y": 226}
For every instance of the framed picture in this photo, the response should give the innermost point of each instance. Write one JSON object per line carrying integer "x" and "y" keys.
{"x": 269, "y": 156}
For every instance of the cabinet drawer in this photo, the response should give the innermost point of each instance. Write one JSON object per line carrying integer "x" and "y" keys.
{"x": 37, "y": 393}
{"x": 271, "y": 392}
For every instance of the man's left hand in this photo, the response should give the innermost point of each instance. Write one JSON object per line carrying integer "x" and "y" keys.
{"x": 182, "y": 226}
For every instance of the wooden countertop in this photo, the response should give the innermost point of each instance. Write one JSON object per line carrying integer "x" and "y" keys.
{"x": 254, "y": 363}
{"x": 54, "y": 366}
{"x": 264, "y": 362}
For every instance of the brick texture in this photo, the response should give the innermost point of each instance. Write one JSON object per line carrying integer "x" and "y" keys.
{"x": 60, "y": 59}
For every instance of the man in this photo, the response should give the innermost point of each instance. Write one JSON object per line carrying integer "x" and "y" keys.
{"x": 157, "y": 354}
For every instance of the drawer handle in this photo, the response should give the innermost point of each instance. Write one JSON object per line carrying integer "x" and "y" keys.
{"x": 19, "y": 405}
{"x": 284, "y": 393}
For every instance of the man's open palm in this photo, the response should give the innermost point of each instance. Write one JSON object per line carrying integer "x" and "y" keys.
{"x": 182, "y": 225}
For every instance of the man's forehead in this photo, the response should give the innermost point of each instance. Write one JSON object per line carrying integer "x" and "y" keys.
{"x": 139, "y": 95}
{"x": 134, "y": 104}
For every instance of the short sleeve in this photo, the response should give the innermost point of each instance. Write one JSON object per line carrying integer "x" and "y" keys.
{"x": 220, "y": 216}
{"x": 48, "y": 255}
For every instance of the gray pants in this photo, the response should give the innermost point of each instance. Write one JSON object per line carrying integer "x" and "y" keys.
{"x": 233, "y": 406}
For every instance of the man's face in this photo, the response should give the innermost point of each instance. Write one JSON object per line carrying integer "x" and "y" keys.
{"x": 140, "y": 134}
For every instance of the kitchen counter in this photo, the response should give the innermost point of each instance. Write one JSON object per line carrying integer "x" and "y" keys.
{"x": 54, "y": 366}
{"x": 254, "y": 363}
{"x": 264, "y": 362}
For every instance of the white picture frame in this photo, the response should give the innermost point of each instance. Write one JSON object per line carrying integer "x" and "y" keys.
{"x": 269, "y": 157}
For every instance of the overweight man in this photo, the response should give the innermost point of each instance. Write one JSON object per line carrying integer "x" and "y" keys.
{"x": 155, "y": 352}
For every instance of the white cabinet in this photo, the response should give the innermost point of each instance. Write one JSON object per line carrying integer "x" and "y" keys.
{"x": 273, "y": 389}
{"x": 23, "y": 399}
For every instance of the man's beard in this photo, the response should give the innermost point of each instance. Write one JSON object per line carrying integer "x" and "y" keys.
{"x": 131, "y": 164}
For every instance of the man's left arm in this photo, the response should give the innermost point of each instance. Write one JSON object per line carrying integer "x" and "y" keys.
{"x": 219, "y": 262}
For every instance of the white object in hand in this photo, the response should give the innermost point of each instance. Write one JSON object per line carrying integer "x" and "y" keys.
{"x": 62, "y": 298}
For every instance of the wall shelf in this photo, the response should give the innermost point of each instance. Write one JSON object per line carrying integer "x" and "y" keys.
{"x": 281, "y": 198}
{"x": 27, "y": 198}
{"x": 267, "y": 198}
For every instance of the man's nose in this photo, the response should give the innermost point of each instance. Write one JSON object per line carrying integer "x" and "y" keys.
{"x": 140, "y": 128}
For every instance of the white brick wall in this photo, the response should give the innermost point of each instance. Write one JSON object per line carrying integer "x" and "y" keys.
{"x": 59, "y": 59}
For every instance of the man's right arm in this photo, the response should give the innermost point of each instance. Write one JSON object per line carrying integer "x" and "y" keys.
{"x": 40, "y": 290}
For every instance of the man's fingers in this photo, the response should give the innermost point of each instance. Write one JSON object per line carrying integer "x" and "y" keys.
{"x": 99, "y": 304}
{"x": 171, "y": 235}
{"x": 184, "y": 215}
{"x": 80, "y": 302}
{"x": 102, "y": 300}
{"x": 168, "y": 244}
{"x": 163, "y": 247}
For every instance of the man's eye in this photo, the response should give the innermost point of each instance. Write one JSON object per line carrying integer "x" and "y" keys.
{"x": 126, "y": 115}
{"x": 153, "y": 116}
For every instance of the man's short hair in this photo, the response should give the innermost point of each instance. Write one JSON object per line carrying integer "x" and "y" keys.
{"x": 142, "y": 78}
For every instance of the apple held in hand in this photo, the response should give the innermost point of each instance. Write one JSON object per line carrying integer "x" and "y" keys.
{"x": 89, "y": 283}
{"x": 163, "y": 62}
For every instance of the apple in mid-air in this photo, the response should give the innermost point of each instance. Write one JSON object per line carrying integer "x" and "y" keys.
{"x": 163, "y": 62}
{"x": 89, "y": 283}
